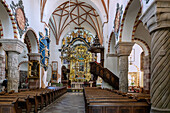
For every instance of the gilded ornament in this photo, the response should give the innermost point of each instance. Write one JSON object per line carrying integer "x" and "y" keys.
{"x": 84, "y": 35}
{"x": 64, "y": 41}
{"x": 89, "y": 39}
{"x": 68, "y": 39}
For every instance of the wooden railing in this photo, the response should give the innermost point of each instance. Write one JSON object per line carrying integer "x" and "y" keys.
{"x": 97, "y": 70}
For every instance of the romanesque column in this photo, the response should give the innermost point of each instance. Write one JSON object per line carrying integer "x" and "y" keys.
{"x": 13, "y": 47}
{"x": 157, "y": 19}
{"x": 2, "y": 67}
{"x": 146, "y": 76}
{"x": 123, "y": 50}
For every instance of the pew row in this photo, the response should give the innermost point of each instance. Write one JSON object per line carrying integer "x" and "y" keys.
{"x": 27, "y": 100}
{"x": 112, "y": 101}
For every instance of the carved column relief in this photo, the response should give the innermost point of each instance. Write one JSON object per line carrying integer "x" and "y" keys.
{"x": 13, "y": 47}
{"x": 160, "y": 73}
{"x": 123, "y": 50}
{"x": 157, "y": 20}
{"x": 2, "y": 67}
{"x": 13, "y": 74}
{"x": 146, "y": 77}
{"x": 123, "y": 73}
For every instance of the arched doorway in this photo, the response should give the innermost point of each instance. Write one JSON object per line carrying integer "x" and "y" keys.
{"x": 135, "y": 74}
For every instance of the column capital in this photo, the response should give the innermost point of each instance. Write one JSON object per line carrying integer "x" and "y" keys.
{"x": 157, "y": 15}
{"x": 34, "y": 56}
{"x": 13, "y": 45}
{"x": 124, "y": 48}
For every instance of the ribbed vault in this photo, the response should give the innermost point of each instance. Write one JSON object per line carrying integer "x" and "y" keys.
{"x": 75, "y": 14}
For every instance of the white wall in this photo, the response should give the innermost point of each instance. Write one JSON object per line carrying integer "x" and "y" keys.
{"x": 6, "y": 23}
{"x": 55, "y": 54}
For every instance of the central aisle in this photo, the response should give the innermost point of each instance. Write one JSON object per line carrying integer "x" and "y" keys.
{"x": 68, "y": 103}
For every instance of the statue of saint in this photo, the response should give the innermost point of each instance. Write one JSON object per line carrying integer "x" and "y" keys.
{"x": 64, "y": 41}
{"x": 84, "y": 35}
{"x": 68, "y": 39}
{"x": 73, "y": 34}
{"x": 89, "y": 39}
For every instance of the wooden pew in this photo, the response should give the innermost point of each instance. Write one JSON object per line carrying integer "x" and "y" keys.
{"x": 7, "y": 107}
{"x": 136, "y": 107}
{"x": 110, "y": 101}
{"x": 32, "y": 99}
{"x": 23, "y": 101}
{"x": 12, "y": 104}
{"x": 27, "y": 98}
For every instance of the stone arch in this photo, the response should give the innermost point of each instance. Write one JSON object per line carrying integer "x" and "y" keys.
{"x": 30, "y": 38}
{"x": 130, "y": 17}
{"x": 146, "y": 64}
{"x": 111, "y": 43}
{"x": 1, "y": 36}
{"x": 8, "y": 21}
{"x": 21, "y": 63}
{"x": 1, "y": 30}
{"x": 143, "y": 45}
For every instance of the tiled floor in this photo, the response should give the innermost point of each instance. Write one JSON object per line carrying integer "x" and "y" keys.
{"x": 68, "y": 103}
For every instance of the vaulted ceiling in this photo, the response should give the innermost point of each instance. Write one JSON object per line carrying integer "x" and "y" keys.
{"x": 73, "y": 14}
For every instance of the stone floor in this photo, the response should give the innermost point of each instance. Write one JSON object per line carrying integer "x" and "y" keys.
{"x": 68, "y": 103}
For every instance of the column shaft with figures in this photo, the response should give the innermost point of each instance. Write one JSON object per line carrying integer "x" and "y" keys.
{"x": 13, "y": 48}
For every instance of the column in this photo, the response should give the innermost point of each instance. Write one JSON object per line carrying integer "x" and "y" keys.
{"x": 146, "y": 76}
{"x": 34, "y": 82}
{"x": 2, "y": 67}
{"x": 123, "y": 51}
{"x": 13, "y": 48}
{"x": 157, "y": 19}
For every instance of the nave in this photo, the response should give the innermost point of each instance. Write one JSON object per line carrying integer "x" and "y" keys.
{"x": 68, "y": 103}
{"x": 49, "y": 47}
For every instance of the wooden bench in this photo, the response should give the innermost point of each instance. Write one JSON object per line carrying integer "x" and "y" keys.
{"x": 119, "y": 108}
{"x": 12, "y": 103}
{"x": 25, "y": 99}
{"x": 112, "y": 101}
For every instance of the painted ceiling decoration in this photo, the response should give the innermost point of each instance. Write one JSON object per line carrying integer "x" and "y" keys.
{"x": 117, "y": 21}
{"x": 21, "y": 20}
{"x": 75, "y": 14}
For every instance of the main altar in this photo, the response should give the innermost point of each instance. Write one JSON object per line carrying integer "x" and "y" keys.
{"x": 75, "y": 51}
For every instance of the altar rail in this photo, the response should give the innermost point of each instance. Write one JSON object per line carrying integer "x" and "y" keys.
{"x": 97, "y": 70}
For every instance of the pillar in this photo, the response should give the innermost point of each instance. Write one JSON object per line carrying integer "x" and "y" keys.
{"x": 123, "y": 51}
{"x": 157, "y": 20}
{"x": 2, "y": 67}
{"x": 146, "y": 76}
{"x": 13, "y": 48}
